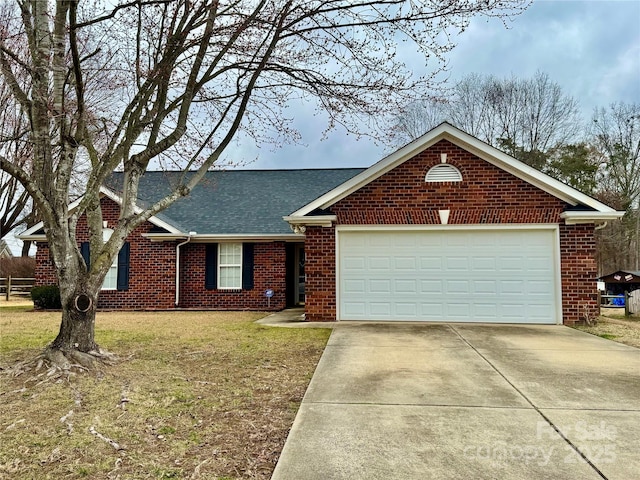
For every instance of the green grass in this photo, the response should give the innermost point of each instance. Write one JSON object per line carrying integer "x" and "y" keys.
{"x": 608, "y": 336}
{"x": 195, "y": 395}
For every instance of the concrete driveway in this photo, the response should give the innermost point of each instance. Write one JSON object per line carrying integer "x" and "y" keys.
{"x": 398, "y": 401}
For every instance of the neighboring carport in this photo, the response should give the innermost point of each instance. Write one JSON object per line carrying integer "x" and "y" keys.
{"x": 450, "y": 401}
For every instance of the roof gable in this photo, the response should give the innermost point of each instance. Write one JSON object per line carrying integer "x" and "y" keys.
{"x": 482, "y": 150}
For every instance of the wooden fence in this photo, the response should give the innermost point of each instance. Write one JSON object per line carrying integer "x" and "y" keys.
{"x": 16, "y": 286}
{"x": 633, "y": 302}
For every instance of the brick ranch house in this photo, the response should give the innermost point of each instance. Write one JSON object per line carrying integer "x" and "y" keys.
{"x": 447, "y": 228}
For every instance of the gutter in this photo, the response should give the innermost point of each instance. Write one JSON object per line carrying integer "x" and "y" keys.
{"x": 191, "y": 234}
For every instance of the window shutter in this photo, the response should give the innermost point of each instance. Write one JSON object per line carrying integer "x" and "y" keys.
{"x": 247, "y": 266}
{"x": 86, "y": 253}
{"x": 211, "y": 266}
{"x": 123, "y": 267}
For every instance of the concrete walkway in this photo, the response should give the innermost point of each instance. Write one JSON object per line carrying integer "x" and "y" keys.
{"x": 408, "y": 401}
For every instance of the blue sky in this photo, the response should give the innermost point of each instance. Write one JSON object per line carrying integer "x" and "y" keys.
{"x": 591, "y": 48}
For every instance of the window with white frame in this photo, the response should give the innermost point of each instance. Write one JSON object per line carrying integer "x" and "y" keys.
{"x": 111, "y": 280}
{"x": 230, "y": 266}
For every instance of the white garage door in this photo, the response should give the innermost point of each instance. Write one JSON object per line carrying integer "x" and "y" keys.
{"x": 497, "y": 275}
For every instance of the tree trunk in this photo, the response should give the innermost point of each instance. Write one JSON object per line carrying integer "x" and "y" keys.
{"x": 79, "y": 304}
{"x": 76, "y": 329}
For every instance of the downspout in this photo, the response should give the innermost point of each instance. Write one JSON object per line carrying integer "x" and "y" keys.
{"x": 601, "y": 226}
{"x": 596, "y": 228}
{"x": 178, "y": 266}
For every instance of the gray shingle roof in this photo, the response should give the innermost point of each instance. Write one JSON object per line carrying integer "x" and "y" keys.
{"x": 238, "y": 201}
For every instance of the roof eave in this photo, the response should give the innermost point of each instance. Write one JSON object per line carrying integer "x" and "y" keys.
{"x": 576, "y": 217}
{"x": 224, "y": 237}
{"x": 313, "y": 220}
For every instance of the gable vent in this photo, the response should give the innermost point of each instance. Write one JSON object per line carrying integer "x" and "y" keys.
{"x": 443, "y": 172}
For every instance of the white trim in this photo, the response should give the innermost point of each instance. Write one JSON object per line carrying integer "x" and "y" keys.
{"x": 228, "y": 265}
{"x": 486, "y": 227}
{"x": 208, "y": 238}
{"x": 558, "y": 277}
{"x": 313, "y": 220}
{"x": 575, "y": 217}
{"x": 437, "y": 226}
{"x": 467, "y": 142}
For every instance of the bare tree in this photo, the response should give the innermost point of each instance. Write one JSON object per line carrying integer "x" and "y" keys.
{"x": 15, "y": 203}
{"x": 525, "y": 117}
{"x": 184, "y": 78}
{"x": 615, "y": 133}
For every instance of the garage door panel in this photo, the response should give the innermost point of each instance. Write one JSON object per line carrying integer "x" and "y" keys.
{"x": 511, "y": 264}
{"x": 459, "y": 264}
{"x": 457, "y": 287}
{"x": 483, "y": 264}
{"x": 354, "y": 309}
{"x": 431, "y": 286}
{"x": 431, "y": 310}
{"x": 379, "y": 263}
{"x": 406, "y": 286}
{"x": 482, "y": 276}
{"x": 379, "y": 286}
{"x": 407, "y": 310}
{"x": 380, "y": 308}
{"x": 354, "y": 263}
{"x": 485, "y": 287}
{"x": 355, "y": 286}
{"x": 431, "y": 264}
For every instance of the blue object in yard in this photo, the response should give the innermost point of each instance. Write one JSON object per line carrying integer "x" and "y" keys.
{"x": 618, "y": 301}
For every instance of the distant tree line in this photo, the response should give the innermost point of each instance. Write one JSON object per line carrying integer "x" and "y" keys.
{"x": 533, "y": 120}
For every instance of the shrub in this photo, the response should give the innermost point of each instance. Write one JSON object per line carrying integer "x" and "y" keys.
{"x": 46, "y": 297}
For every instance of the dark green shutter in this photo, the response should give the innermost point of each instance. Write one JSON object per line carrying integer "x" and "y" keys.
{"x": 247, "y": 266}
{"x": 86, "y": 253}
{"x": 211, "y": 266}
{"x": 123, "y": 267}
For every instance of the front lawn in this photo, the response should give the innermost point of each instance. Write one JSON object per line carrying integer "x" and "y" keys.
{"x": 194, "y": 395}
{"x": 613, "y": 325}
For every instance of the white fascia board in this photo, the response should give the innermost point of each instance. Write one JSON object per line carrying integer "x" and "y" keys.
{"x": 315, "y": 220}
{"x": 446, "y": 131}
{"x": 29, "y": 234}
{"x": 153, "y": 219}
{"x": 231, "y": 237}
{"x": 32, "y": 237}
{"x": 573, "y": 218}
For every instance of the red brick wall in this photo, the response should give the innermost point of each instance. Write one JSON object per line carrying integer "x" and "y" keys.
{"x": 152, "y": 272}
{"x": 579, "y": 271}
{"x": 487, "y": 195}
{"x": 320, "y": 270}
{"x": 269, "y": 273}
{"x": 151, "y": 268}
